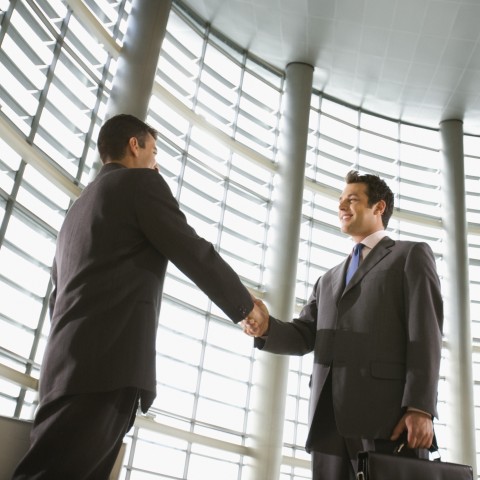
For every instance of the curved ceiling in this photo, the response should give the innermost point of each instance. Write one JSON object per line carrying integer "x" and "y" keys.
{"x": 414, "y": 60}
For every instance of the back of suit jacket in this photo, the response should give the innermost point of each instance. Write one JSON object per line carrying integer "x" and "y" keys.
{"x": 379, "y": 338}
{"x": 112, "y": 253}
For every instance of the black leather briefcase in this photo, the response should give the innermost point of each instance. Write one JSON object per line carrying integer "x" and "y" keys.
{"x": 388, "y": 466}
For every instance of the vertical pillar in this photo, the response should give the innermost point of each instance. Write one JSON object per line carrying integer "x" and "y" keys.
{"x": 457, "y": 302}
{"x": 137, "y": 63}
{"x": 270, "y": 384}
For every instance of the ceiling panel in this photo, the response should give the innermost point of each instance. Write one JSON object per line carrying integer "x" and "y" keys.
{"x": 417, "y": 60}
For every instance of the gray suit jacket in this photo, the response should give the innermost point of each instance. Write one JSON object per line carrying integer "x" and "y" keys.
{"x": 380, "y": 338}
{"x": 108, "y": 274}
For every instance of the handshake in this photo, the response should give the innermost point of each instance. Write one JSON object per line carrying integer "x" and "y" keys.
{"x": 258, "y": 320}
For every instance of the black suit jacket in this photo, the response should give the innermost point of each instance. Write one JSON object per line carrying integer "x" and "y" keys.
{"x": 379, "y": 338}
{"x": 108, "y": 275}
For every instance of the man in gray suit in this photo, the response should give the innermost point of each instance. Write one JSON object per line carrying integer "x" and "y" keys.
{"x": 376, "y": 339}
{"x": 108, "y": 273}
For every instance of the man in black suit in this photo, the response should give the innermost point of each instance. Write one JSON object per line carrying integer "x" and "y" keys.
{"x": 376, "y": 339}
{"x": 108, "y": 273}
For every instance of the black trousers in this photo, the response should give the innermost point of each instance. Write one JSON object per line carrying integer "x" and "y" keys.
{"x": 78, "y": 437}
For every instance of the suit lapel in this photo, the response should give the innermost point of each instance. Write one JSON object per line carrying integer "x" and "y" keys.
{"x": 338, "y": 279}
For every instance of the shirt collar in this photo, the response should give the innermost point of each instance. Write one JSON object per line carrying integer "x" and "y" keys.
{"x": 372, "y": 240}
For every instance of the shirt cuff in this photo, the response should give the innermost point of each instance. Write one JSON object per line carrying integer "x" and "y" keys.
{"x": 411, "y": 409}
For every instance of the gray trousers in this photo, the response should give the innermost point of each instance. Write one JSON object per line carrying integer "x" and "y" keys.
{"x": 334, "y": 457}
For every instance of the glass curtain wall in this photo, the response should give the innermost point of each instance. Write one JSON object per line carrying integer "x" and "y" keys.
{"x": 472, "y": 187}
{"x": 217, "y": 113}
{"x": 217, "y": 110}
{"x": 54, "y": 82}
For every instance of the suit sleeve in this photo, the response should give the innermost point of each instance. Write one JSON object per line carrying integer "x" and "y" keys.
{"x": 166, "y": 228}
{"x": 424, "y": 317}
{"x": 292, "y": 338}
{"x": 53, "y": 295}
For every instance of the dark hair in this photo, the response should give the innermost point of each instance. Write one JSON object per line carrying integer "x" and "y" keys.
{"x": 116, "y": 132}
{"x": 377, "y": 190}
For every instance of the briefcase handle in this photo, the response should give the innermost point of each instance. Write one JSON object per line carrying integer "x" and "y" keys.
{"x": 402, "y": 443}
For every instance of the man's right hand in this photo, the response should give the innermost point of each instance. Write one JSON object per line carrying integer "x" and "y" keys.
{"x": 257, "y": 322}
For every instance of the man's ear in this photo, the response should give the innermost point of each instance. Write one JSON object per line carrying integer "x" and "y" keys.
{"x": 380, "y": 207}
{"x": 133, "y": 146}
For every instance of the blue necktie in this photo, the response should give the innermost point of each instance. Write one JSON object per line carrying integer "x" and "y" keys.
{"x": 354, "y": 261}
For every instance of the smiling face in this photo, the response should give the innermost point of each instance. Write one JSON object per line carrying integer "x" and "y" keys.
{"x": 357, "y": 218}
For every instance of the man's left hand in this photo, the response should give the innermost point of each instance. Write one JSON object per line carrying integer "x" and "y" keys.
{"x": 420, "y": 429}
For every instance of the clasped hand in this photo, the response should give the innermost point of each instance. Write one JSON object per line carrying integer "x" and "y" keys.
{"x": 419, "y": 426}
{"x": 257, "y": 322}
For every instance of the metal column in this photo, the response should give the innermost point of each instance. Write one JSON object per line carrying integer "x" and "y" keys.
{"x": 271, "y": 371}
{"x": 456, "y": 297}
{"x": 137, "y": 63}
